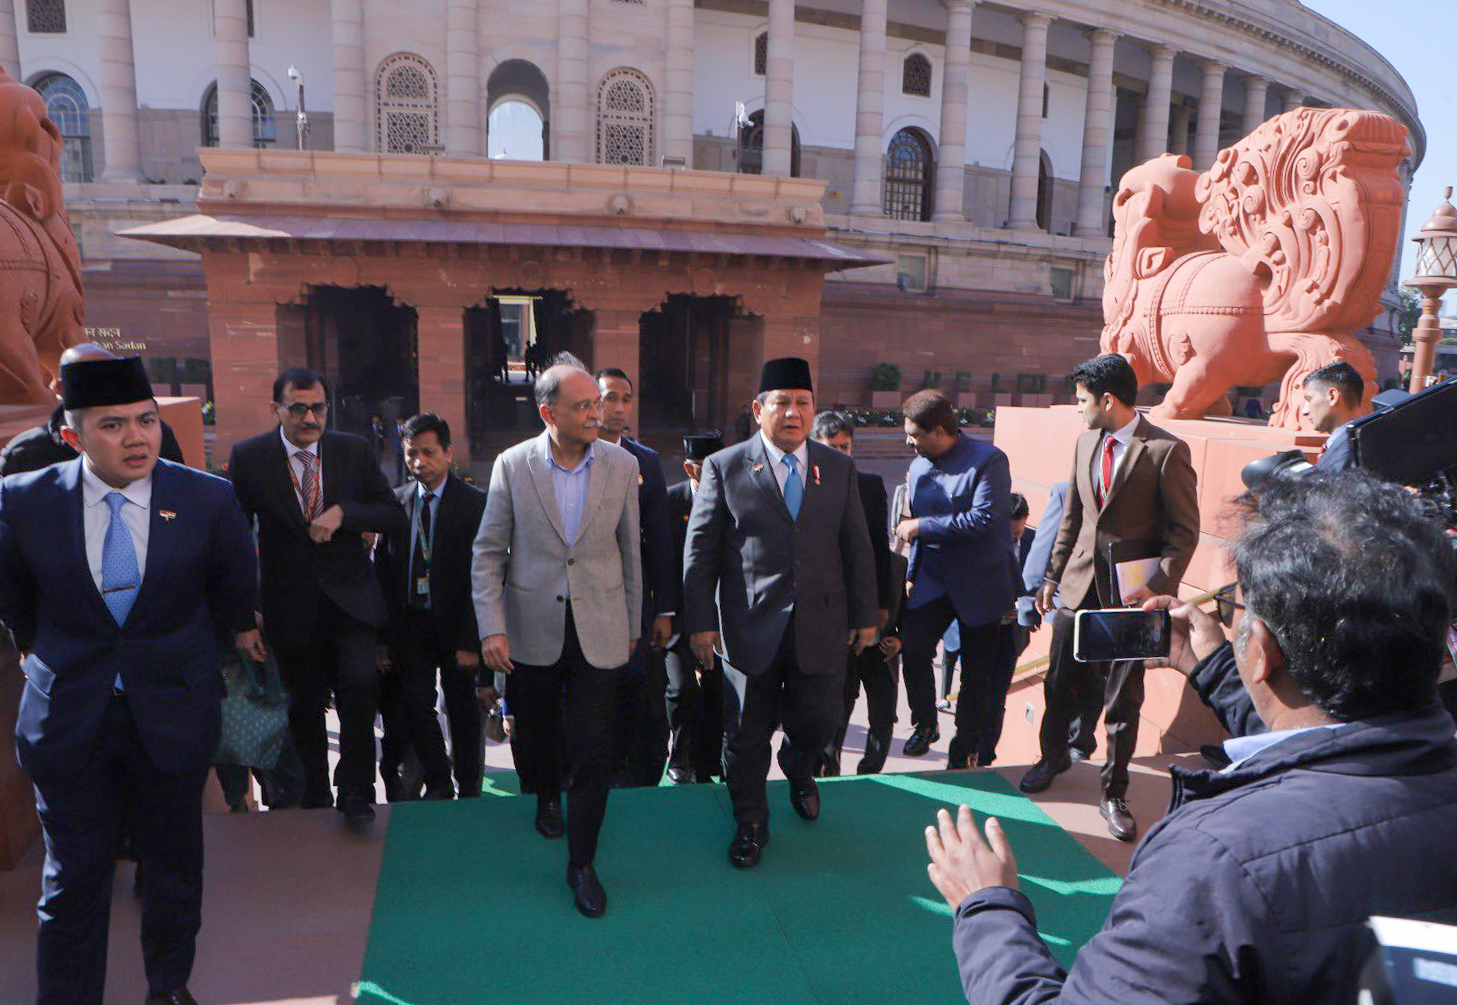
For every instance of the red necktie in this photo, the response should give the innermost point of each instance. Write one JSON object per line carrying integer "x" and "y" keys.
{"x": 1106, "y": 481}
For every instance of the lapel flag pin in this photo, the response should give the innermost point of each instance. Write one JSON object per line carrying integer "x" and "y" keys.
{"x": 166, "y": 514}
{"x": 758, "y": 468}
{"x": 816, "y": 470}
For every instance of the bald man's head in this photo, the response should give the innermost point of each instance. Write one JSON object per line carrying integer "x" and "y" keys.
{"x": 84, "y": 352}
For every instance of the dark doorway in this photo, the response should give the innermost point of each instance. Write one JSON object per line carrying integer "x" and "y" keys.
{"x": 683, "y": 366}
{"x": 366, "y": 347}
{"x": 509, "y": 339}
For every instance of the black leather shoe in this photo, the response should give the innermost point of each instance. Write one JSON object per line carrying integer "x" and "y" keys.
{"x": 549, "y": 818}
{"x": 1042, "y": 774}
{"x": 1120, "y": 822}
{"x": 830, "y": 768}
{"x": 681, "y": 776}
{"x": 919, "y": 743}
{"x": 587, "y": 890}
{"x": 805, "y": 798}
{"x": 748, "y": 845}
{"x": 1077, "y": 754}
{"x": 179, "y": 997}
{"x": 876, "y": 749}
{"x": 444, "y": 790}
{"x": 358, "y": 812}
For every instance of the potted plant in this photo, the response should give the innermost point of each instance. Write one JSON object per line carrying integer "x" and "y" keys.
{"x": 965, "y": 396}
{"x": 1001, "y": 397}
{"x": 885, "y": 383}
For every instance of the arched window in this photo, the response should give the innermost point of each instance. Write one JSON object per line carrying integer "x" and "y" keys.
{"x": 407, "y": 106}
{"x": 625, "y": 119}
{"x": 909, "y": 170}
{"x": 751, "y": 147}
{"x": 519, "y": 102}
{"x": 761, "y": 54}
{"x": 916, "y": 76}
{"x": 45, "y": 17}
{"x": 265, "y": 128}
{"x": 66, "y": 107}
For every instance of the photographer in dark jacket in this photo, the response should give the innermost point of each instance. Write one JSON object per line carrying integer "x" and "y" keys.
{"x": 1340, "y": 802}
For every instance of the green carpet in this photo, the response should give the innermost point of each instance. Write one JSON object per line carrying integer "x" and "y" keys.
{"x": 473, "y": 906}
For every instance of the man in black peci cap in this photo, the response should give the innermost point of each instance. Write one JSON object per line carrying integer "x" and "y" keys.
{"x": 118, "y": 572}
{"x": 694, "y": 695}
{"x": 779, "y": 582}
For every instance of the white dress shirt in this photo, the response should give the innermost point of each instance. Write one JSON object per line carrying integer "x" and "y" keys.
{"x": 781, "y": 470}
{"x": 96, "y": 518}
{"x": 1121, "y": 439}
{"x": 291, "y": 451}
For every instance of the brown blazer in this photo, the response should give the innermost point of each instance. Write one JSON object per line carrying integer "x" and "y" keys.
{"x": 1152, "y": 509}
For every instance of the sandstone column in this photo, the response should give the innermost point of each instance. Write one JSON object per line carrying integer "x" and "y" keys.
{"x": 235, "y": 82}
{"x": 1155, "y": 137}
{"x": 9, "y": 43}
{"x": 951, "y": 161}
{"x": 1179, "y": 128}
{"x": 1027, "y": 152}
{"x": 574, "y": 135}
{"x": 779, "y": 89}
{"x": 1211, "y": 104}
{"x": 350, "y": 120}
{"x": 121, "y": 145}
{"x": 441, "y": 335}
{"x": 1092, "y": 218}
{"x": 245, "y": 358}
{"x": 870, "y": 110}
{"x": 462, "y": 80}
{"x": 678, "y": 99}
{"x": 1257, "y": 89}
{"x": 1294, "y": 98}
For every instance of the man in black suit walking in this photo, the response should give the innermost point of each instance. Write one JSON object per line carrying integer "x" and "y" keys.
{"x": 834, "y": 429}
{"x": 694, "y": 698}
{"x": 432, "y": 619}
{"x": 779, "y": 580}
{"x": 641, "y": 735}
{"x": 315, "y": 494}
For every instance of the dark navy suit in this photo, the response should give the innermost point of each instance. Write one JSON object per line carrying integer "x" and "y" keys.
{"x": 96, "y": 757}
{"x": 962, "y": 566}
{"x": 1337, "y": 455}
{"x": 642, "y": 724}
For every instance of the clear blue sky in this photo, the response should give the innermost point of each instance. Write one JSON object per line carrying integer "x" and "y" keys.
{"x": 1416, "y": 36}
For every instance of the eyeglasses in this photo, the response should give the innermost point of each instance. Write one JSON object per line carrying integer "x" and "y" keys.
{"x": 1225, "y": 604}
{"x": 298, "y": 409}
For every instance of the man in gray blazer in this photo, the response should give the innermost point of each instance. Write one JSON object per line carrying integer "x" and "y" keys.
{"x": 557, "y": 580}
{"x": 779, "y": 581}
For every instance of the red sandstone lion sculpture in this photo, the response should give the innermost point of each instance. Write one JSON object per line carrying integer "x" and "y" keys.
{"x": 41, "y": 310}
{"x": 1263, "y": 267}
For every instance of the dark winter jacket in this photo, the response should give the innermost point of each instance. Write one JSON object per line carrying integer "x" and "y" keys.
{"x": 1257, "y": 885}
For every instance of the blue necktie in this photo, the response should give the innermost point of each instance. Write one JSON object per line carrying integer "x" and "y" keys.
{"x": 120, "y": 578}
{"x": 793, "y": 486}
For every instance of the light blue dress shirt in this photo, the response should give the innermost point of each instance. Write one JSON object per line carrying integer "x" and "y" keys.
{"x": 1241, "y": 748}
{"x": 571, "y": 490}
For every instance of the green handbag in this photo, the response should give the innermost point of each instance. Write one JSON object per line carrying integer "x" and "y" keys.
{"x": 255, "y": 713}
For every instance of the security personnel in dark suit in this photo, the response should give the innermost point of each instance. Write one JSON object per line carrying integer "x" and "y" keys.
{"x": 779, "y": 581}
{"x": 1334, "y": 397}
{"x": 315, "y": 494}
{"x": 641, "y": 735}
{"x": 694, "y": 699}
{"x": 432, "y": 625}
{"x": 118, "y": 573}
{"x": 834, "y": 429}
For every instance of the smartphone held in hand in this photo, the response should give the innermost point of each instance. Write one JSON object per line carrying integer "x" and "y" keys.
{"x": 1121, "y": 634}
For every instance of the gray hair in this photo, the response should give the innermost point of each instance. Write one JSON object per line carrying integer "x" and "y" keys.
{"x": 549, "y": 383}
{"x": 831, "y": 422}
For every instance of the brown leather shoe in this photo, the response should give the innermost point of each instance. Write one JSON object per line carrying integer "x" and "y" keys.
{"x": 1120, "y": 822}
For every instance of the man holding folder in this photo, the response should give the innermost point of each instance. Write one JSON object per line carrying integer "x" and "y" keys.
{"x": 1131, "y": 497}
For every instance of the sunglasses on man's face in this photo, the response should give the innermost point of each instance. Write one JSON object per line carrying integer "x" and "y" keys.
{"x": 298, "y": 409}
{"x": 1227, "y": 600}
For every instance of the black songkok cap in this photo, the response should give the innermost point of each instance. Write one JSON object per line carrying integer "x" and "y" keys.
{"x": 94, "y": 382}
{"x": 788, "y": 373}
{"x": 699, "y": 446}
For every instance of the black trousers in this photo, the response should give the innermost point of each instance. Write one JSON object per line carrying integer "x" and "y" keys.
{"x": 339, "y": 657}
{"x": 870, "y": 669}
{"x": 407, "y": 706}
{"x": 809, "y": 706}
{"x": 983, "y": 695}
{"x": 921, "y": 629}
{"x": 82, "y": 817}
{"x": 640, "y": 743}
{"x": 695, "y": 713}
{"x": 1072, "y": 688}
{"x": 567, "y": 706}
